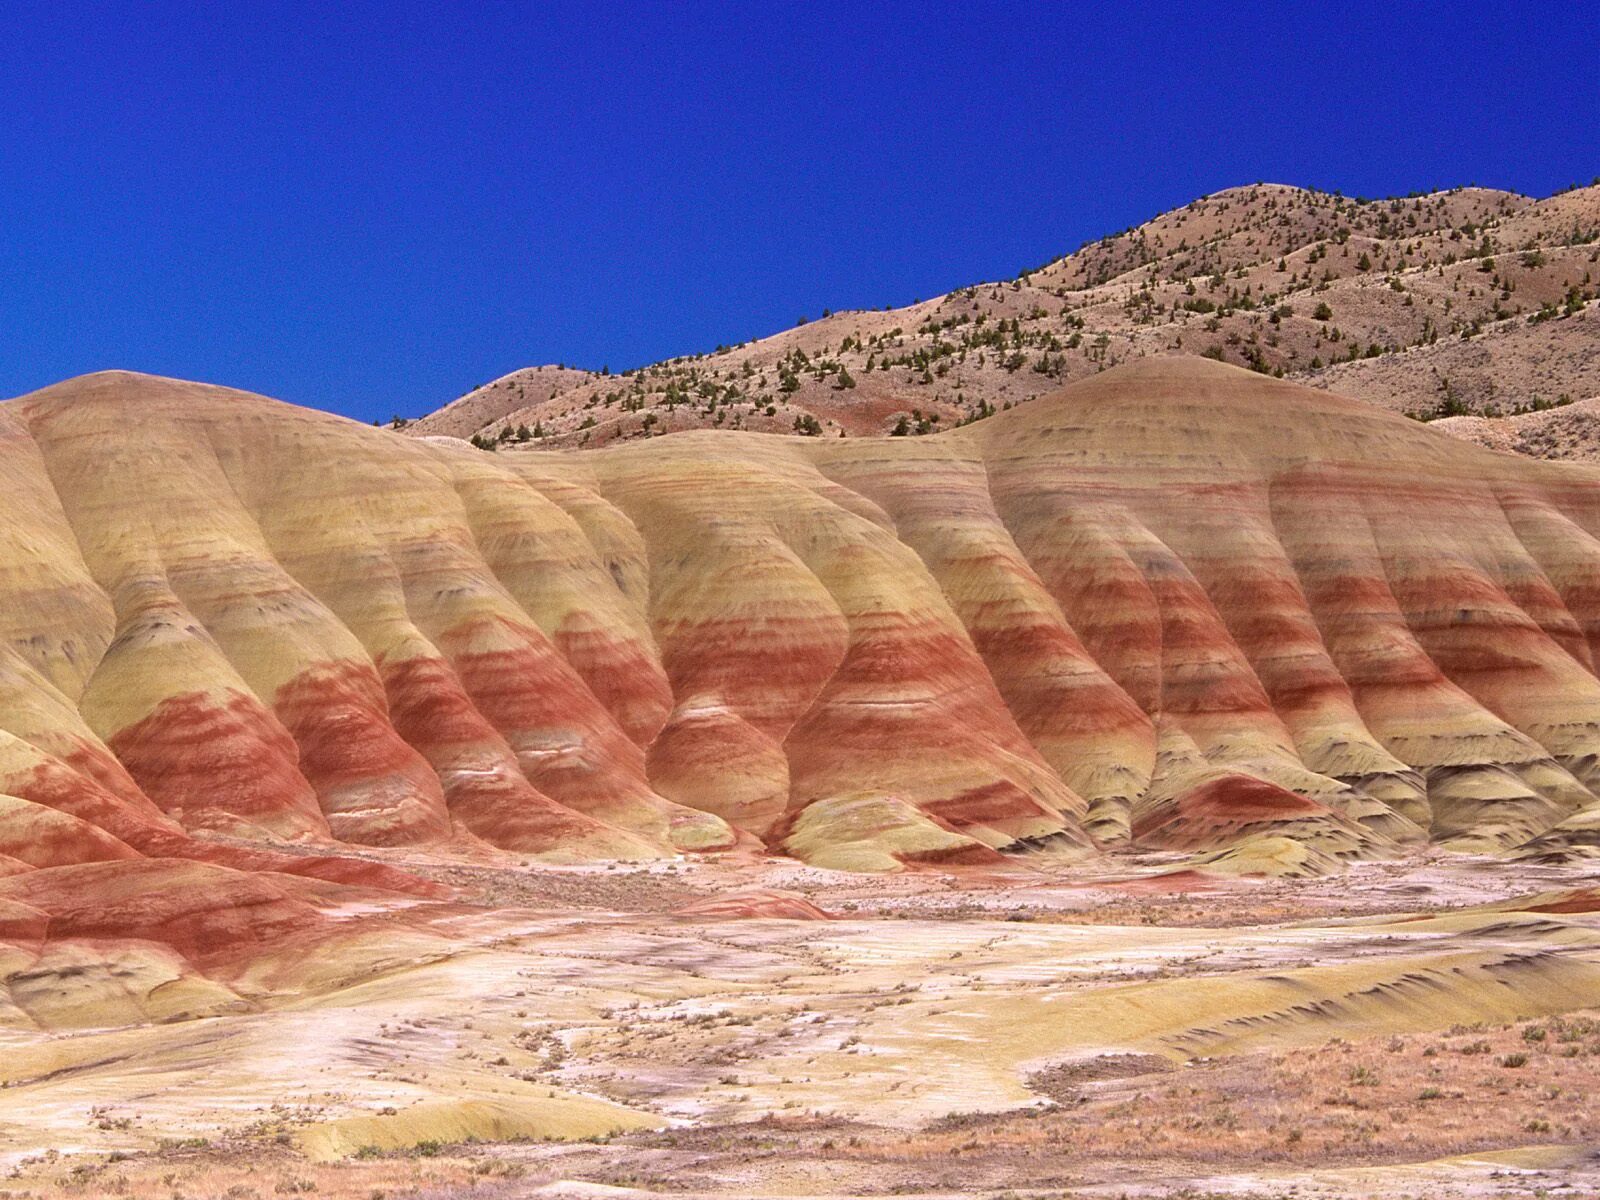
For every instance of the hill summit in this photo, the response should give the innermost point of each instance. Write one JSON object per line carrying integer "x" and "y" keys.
{"x": 1464, "y": 302}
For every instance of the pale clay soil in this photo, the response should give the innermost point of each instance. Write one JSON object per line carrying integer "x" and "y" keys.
{"x": 1413, "y": 1028}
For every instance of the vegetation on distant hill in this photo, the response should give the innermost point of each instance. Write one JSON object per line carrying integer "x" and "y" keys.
{"x": 1465, "y": 302}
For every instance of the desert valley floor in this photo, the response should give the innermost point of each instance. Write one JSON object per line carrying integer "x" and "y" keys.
{"x": 731, "y": 1027}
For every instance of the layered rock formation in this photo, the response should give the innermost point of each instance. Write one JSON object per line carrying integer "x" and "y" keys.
{"x": 1179, "y": 603}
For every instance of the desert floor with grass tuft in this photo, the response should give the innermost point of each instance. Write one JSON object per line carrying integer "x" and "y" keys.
{"x": 1139, "y": 1028}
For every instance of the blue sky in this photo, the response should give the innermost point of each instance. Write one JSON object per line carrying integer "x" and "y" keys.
{"x": 371, "y": 207}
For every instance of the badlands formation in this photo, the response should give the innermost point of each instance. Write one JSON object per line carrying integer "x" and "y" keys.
{"x": 1186, "y": 779}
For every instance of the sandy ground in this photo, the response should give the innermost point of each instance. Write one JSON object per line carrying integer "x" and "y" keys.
{"x": 1420, "y": 1028}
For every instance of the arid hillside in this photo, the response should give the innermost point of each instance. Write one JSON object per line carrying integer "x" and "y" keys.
{"x": 1179, "y": 602}
{"x": 1570, "y": 432}
{"x": 1471, "y": 301}
{"x": 1185, "y": 751}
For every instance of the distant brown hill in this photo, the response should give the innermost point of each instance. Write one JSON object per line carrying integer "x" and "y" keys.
{"x": 1469, "y": 301}
{"x": 1570, "y": 432}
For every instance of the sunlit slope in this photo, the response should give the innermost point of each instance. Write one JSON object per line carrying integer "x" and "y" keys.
{"x": 1178, "y": 602}
{"x": 1470, "y": 300}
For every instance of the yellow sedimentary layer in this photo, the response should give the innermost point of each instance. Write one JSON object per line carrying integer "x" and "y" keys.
{"x": 1177, "y": 602}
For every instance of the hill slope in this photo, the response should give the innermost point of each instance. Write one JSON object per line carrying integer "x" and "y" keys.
{"x": 1178, "y": 603}
{"x": 1151, "y": 601}
{"x": 1467, "y": 301}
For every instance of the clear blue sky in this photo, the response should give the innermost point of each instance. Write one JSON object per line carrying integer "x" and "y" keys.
{"x": 371, "y": 207}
